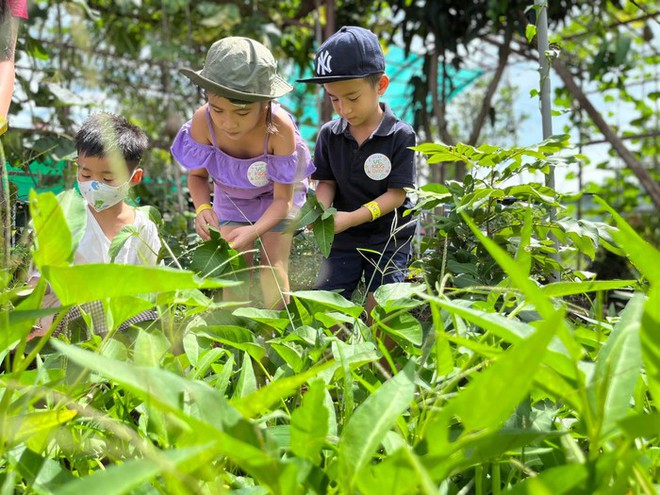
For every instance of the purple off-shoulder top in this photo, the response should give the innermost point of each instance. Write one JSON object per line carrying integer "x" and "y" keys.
{"x": 243, "y": 187}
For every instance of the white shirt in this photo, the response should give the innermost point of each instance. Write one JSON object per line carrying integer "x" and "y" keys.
{"x": 141, "y": 248}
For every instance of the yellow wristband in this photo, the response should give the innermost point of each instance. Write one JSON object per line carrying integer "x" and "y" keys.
{"x": 201, "y": 208}
{"x": 373, "y": 208}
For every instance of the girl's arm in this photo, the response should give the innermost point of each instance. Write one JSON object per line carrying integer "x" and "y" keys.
{"x": 198, "y": 184}
{"x": 198, "y": 179}
{"x": 387, "y": 202}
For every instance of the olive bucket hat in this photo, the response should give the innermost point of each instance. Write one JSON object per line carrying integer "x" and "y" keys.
{"x": 240, "y": 69}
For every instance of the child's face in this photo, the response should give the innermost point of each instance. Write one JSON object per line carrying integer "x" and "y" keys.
{"x": 100, "y": 169}
{"x": 356, "y": 100}
{"x": 233, "y": 121}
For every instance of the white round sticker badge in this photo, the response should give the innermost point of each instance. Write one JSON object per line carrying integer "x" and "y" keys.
{"x": 377, "y": 166}
{"x": 257, "y": 174}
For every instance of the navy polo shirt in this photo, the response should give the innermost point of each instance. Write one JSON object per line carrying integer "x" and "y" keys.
{"x": 362, "y": 173}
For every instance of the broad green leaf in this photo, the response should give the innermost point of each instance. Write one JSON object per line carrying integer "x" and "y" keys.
{"x": 162, "y": 388}
{"x": 291, "y": 353}
{"x": 530, "y": 32}
{"x": 533, "y": 294}
{"x": 561, "y": 289}
{"x": 75, "y": 213}
{"x": 492, "y": 395}
{"x": 123, "y": 478}
{"x": 206, "y": 410}
{"x": 645, "y": 425}
{"x": 53, "y": 237}
{"x": 150, "y": 348}
{"x": 393, "y": 476}
{"x": 20, "y": 428}
{"x": 618, "y": 366}
{"x": 247, "y": 381}
{"x": 650, "y": 339}
{"x": 85, "y": 283}
{"x": 329, "y": 300}
{"x": 121, "y": 309}
{"x": 214, "y": 258}
{"x": 508, "y": 330}
{"x": 400, "y": 325}
{"x": 309, "y": 424}
{"x": 120, "y": 239}
{"x": 324, "y": 233}
{"x": 391, "y": 297}
{"x": 567, "y": 479}
{"x": 370, "y": 422}
{"x": 643, "y": 255}
{"x": 309, "y": 212}
{"x": 270, "y": 317}
{"x": 259, "y": 401}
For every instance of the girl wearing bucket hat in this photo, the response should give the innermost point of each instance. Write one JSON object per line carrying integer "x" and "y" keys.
{"x": 252, "y": 151}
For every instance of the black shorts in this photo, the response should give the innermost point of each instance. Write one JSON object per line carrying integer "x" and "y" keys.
{"x": 344, "y": 268}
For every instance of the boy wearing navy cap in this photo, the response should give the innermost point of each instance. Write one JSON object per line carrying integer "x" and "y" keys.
{"x": 363, "y": 163}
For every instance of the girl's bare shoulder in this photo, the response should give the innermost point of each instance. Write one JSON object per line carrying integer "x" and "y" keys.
{"x": 199, "y": 129}
{"x": 284, "y": 140}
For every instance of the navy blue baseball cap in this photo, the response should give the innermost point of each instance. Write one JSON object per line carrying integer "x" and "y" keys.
{"x": 351, "y": 53}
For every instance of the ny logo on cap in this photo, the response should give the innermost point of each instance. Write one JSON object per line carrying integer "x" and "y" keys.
{"x": 323, "y": 63}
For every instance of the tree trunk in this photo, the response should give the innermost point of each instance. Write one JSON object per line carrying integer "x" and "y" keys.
{"x": 505, "y": 50}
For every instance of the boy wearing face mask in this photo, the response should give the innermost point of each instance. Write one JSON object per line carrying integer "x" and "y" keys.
{"x": 109, "y": 151}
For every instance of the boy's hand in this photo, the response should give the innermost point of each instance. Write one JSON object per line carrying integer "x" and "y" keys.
{"x": 343, "y": 221}
{"x": 203, "y": 221}
{"x": 241, "y": 238}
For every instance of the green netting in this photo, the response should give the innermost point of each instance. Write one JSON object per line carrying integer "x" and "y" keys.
{"x": 303, "y": 103}
{"x": 46, "y": 175}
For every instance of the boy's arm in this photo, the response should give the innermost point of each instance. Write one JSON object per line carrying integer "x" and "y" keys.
{"x": 387, "y": 202}
{"x": 325, "y": 192}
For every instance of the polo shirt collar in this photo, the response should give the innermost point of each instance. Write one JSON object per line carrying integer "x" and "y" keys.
{"x": 385, "y": 128}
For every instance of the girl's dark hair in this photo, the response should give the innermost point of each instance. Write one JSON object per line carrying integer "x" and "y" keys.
{"x": 103, "y": 133}
{"x": 4, "y": 8}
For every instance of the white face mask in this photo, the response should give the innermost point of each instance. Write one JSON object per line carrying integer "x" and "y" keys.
{"x": 101, "y": 196}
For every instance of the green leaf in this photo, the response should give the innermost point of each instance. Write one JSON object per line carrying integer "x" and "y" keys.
{"x": 53, "y": 237}
{"x": 643, "y": 255}
{"x": 309, "y": 212}
{"x": 247, "y": 381}
{"x": 400, "y": 325}
{"x": 561, "y": 289}
{"x": 150, "y": 348}
{"x": 396, "y": 296}
{"x": 17, "y": 429}
{"x": 331, "y": 300}
{"x": 270, "y": 317}
{"x": 124, "y": 478}
{"x": 120, "y": 239}
{"x": 214, "y": 258}
{"x": 618, "y": 366}
{"x": 530, "y": 32}
{"x": 370, "y": 422}
{"x": 259, "y": 401}
{"x": 84, "y": 283}
{"x": 309, "y": 424}
{"x": 567, "y": 479}
{"x": 74, "y": 209}
{"x": 492, "y": 395}
{"x": 205, "y": 409}
{"x": 324, "y": 233}
{"x": 650, "y": 341}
